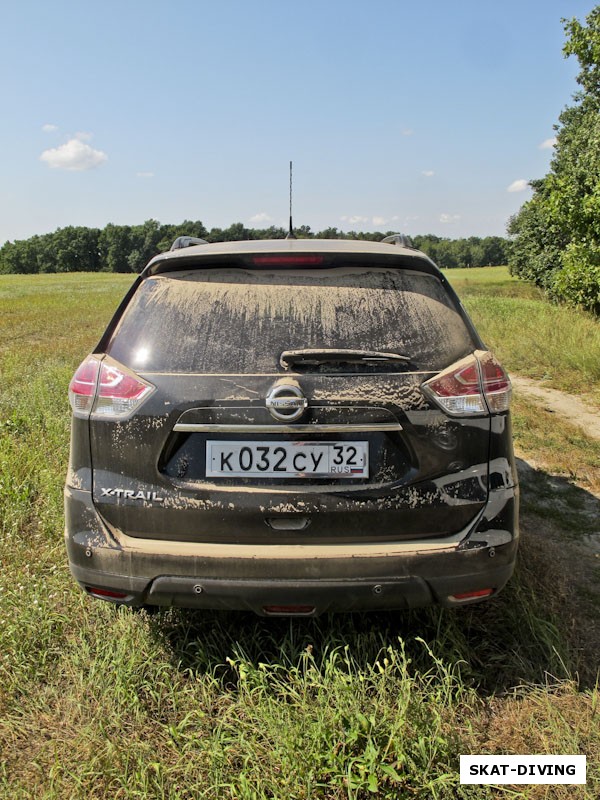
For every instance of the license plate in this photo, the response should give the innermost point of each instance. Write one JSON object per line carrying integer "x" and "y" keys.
{"x": 287, "y": 459}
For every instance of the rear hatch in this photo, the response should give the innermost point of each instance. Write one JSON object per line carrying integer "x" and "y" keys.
{"x": 285, "y": 405}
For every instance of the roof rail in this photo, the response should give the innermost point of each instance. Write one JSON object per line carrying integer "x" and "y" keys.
{"x": 186, "y": 241}
{"x": 400, "y": 239}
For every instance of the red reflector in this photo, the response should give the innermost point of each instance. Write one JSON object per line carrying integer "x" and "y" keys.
{"x": 288, "y": 609}
{"x": 106, "y": 593}
{"x": 468, "y": 595}
{"x": 262, "y": 261}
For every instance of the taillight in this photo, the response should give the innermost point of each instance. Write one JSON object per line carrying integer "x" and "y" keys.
{"x": 82, "y": 388}
{"x": 496, "y": 383}
{"x": 106, "y": 389}
{"x": 120, "y": 391}
{"x": 475, "y": 385}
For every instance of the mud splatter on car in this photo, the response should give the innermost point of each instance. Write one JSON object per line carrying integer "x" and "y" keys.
{"x": 292, "y": 427}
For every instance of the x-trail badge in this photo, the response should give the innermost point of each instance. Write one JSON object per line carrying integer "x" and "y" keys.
{"x": 286, "y": 402}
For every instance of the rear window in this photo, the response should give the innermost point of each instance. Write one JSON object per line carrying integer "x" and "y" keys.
{"x": 240, "y": 320}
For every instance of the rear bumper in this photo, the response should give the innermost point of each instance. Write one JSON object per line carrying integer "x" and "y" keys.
{"x": 311, "y": 579}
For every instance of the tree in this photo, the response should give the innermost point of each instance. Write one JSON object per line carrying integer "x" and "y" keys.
{"x": 495, "y": 251}
{"x": 170, "y": 232}
{"x": 557, "y": 233}
{"x": 128, "y": 248}
{"x": 70, "y": 250}
{"x": 115, "y": 247}
{"x": 303, "y": 232}
{"x": 330, "y": 233}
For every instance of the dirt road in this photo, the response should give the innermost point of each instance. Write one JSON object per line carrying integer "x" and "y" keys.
{"x": 568, "y": 406}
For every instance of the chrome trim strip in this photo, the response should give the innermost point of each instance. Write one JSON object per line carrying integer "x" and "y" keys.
{"x": 215, "y": 427}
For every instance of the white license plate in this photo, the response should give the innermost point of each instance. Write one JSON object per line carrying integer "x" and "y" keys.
{"x": 287, "y": 459}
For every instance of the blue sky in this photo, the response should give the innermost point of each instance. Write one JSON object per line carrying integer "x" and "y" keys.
{"x": 416, "y": 116}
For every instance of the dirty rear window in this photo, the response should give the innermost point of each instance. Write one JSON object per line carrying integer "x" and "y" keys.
{"x": 240, "y": 321}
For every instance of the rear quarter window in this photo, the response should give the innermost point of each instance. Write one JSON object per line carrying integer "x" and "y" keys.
{"x": 240, "y": 320}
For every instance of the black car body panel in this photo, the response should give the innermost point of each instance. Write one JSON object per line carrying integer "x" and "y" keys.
{"x": 423, "y": 505}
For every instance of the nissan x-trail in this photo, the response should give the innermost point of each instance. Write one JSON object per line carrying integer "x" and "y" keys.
{"x": 291, "y": 427}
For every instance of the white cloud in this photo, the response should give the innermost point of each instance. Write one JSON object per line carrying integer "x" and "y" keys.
{"x": 355, "y": 219}
{"x": 48, "y": 128}
{"x": 548, "y": 144}
{"x": 447, "y": 219}
{"x": 74, "y": 155}
{"x": 262, "y": 217}
{"x": 83, "y": 136}
{"x": 429, "y": 173}
{"x": 519, "y": 185}
{"x": 144, "y": 174}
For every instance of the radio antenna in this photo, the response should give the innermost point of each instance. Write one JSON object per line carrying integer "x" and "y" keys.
{"x": 291, "y": 230}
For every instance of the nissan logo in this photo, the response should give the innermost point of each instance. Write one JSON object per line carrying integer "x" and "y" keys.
{"x": 286, "y": 402}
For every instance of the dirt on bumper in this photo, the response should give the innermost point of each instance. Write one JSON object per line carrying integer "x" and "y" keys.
{"x": 320, "y": 578}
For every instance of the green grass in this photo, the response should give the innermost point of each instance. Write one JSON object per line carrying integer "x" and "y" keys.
{"x": 97, "y": 702}
{"x": 563, "y": 448}
{"x": 530, "y": 335}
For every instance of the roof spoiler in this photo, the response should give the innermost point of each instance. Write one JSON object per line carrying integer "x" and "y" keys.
{"x": 186, "y": 241}
{"x": 400, "y": 239}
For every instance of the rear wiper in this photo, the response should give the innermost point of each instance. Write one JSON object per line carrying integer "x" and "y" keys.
{"x": 315, "y": 356}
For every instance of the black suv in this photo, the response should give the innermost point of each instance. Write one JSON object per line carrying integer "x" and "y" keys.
{"x": 292, "y": 427}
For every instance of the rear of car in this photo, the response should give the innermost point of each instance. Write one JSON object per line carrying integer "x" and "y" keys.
{"x": 291, "y": 427}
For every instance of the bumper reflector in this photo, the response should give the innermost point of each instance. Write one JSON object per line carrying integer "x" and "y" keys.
{"x": 472, "y": 595}
{"x": 107, "y": 593}
{"x": 302, "y": 610}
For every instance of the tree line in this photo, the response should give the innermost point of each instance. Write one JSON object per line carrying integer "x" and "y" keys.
{"x": 556, "y": 234}
{"x": 128, "y": 248}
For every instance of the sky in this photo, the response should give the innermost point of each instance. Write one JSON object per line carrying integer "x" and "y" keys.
{"x": 419, "y": 117}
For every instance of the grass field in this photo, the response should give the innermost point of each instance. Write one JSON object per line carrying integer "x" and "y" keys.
{"x": 97, "y": 702}
{"x": 530, "y": 335}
